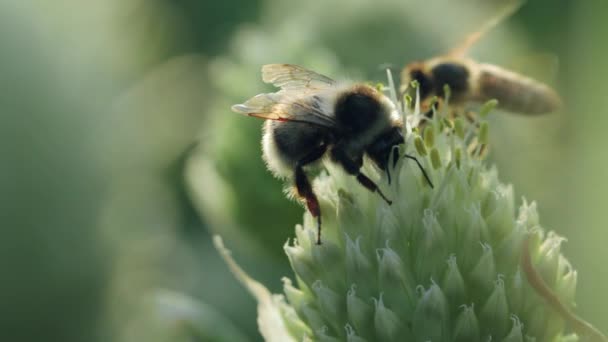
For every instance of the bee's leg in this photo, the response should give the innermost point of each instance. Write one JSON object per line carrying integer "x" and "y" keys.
{"x": 371, "y": 186}
{"x": 304, "y": 188}
{"x": 353, "y": 167}
{"x": 426, "y": 176}
{"x": 305, "y": 191}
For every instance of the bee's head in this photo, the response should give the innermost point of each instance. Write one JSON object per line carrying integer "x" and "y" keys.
{"x": 379, "y": 151}
{"x": 417, "y": 72}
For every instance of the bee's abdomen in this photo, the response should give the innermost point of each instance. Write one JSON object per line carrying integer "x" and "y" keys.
{"x": 514, "y": 92}
{"x": 286, "y": 143}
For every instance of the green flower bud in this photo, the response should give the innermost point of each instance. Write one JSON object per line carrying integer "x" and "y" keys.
{"x": 387, "y": 324}
{"x": 453, "y": 284}
{"x": 484, "y": 271}
{"x": 420, "y": 146}
{"x": 293, "y": 323}
{"x": 351, "y": 336}
{"x": 459, "y": 127}
{"x": 329, "y": 303}
{"x": 517, "y": 292}
{"x": 566, "y": 282}
{"x": 322, "y": 336}
{"x": 296, "y": 297}
{"x": 483, "y": 133}
{"x": 494, "y": 315}
{"x": 515, "y": 335}
{"x": 435, "y": 158}
{"x": 429, "y": 136}
{"x": 487, "y": 108}
{"x": 549, "y": 257}
{"x": 359, "y": 313}
{"x": 358, "y": 266}
{"x": 466, "y": 328}
{"x": 313, "y": 317}
{"x": 431, "y": 316}
{"x": 302, "y": 263}
{"x": 395, "y": 281}
{"x": 457, "y": 156}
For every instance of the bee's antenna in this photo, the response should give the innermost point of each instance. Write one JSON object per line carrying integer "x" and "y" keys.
{"x": 426, "y": 176}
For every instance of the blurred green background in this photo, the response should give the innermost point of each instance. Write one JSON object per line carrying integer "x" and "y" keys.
{"x": 120, "y": 156}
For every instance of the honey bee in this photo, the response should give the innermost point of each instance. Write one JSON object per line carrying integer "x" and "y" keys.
{"x": 472, "y": 82}
{"x": 312, "y": 116}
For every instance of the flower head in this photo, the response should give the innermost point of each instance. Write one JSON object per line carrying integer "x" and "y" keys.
{"x": 439, "y": 264}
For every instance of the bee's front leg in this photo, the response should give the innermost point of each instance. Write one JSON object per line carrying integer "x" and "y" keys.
{"x": 353, "y": 167}
{"x": 371, "y": 186}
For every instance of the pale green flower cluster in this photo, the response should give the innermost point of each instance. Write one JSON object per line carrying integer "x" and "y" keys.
{"x": 439, "y": 264}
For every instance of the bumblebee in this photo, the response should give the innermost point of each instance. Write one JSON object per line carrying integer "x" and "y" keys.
{"x": 472, "y": 82}
{"x": 312, "y": 117}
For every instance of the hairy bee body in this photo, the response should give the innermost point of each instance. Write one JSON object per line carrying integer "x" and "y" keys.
{"x": 313, "y": 117}
{"x": 361, "y": 116}
{"x": 470, "y": 81}
{"x": 514, "y": 92}
{"x": 284, "y": 143}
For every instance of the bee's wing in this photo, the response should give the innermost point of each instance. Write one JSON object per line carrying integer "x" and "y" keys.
{"x": 541, "y": 66}
{"x": 461, "y": 49}
{"x": 291, "y": 77}
{"x": 286, "y": 106}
